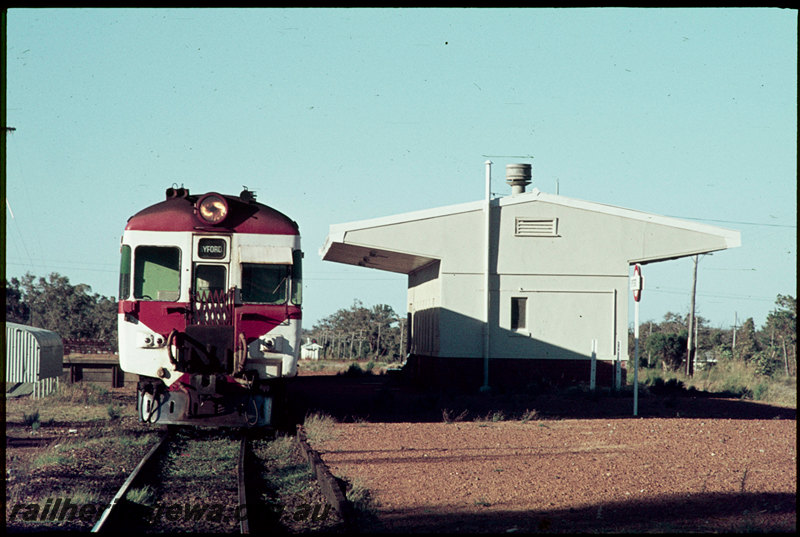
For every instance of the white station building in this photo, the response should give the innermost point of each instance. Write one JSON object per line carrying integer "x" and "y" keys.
{"x": 556, "y": 270}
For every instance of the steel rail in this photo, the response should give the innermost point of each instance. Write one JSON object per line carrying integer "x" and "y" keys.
{"x": 113, "y": 508}
{"x": 244, "y": 524}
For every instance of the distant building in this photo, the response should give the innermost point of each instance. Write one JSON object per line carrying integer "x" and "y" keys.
{"x": 310, "y": 350}
{"x": 558, "y": 281}
{"x": 34, "y": 360}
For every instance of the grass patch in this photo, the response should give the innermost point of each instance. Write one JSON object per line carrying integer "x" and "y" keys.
{"x": 196, "y": 456}
{"x": 492, "y": 417}
{"x": 728, "y": 378}
{"x": 58, "y": 455}
{"x": 86, "y": 393}
{"x": 279, "y": 449}
{"x": 70, "y": 403}
{"x": 319, "y": 427}
{"x": 292, "y": 479}
{"x": 449, "y": 417}
{"x": 284, "y": 472}
{"x": 143, "y": 496}
{"x": 113, "y": 411}
{"x": 360, "y": 498}
{"x": 82, "y": 497}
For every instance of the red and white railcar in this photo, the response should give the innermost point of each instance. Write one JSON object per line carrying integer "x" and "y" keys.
{"x": 210, "y": 308}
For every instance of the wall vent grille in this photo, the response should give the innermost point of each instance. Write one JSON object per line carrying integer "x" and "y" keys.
{"x": 535, "y": 227}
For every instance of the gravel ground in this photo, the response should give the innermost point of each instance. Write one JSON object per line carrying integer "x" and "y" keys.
{"x": 686, "y": 464}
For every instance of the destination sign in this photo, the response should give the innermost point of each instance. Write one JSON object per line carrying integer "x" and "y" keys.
{"x": 211, "y": 248}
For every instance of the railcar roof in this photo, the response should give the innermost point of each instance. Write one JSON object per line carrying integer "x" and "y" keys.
{"x": 178, "y": 214}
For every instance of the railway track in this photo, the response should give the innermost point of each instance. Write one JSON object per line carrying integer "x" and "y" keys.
{"x": 27, "y": 442}
{"x": 212, "y": 481}
{"x": 126, "y": 512}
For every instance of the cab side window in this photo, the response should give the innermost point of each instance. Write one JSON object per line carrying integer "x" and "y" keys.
{"x": 265, "y": 284}
{"x": 157, "y": 273}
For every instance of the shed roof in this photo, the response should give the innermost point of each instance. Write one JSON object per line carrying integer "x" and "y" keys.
{"x": 413, "y": 253}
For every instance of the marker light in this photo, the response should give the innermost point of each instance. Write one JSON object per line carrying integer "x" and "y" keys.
{"x": 212, "y": 208}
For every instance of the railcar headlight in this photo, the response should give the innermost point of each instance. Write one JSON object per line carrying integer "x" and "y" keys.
{"x": 212, "y": 208}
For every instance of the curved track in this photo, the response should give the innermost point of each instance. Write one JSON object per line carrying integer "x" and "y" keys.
{"x": 111, "y": 518}
{"x": 121, "y": 512}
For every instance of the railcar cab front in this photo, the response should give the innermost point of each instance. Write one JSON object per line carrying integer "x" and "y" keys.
{"x": 210, "y": 298}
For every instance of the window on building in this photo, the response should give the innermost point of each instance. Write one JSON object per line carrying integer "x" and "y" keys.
{"x": 518, "y": 312}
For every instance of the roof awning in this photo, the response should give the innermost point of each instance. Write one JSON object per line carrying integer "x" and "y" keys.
{"x": 352, "y": 254}
{"x": 387, "y": 243}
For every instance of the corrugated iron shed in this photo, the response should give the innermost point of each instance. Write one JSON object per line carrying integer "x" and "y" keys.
{"x": 32, "y": 354}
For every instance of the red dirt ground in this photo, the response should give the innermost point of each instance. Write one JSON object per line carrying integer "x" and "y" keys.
{"x": 576, "y": 463}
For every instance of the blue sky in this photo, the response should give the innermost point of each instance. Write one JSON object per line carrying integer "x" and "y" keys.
{"x": 336, "y": 115}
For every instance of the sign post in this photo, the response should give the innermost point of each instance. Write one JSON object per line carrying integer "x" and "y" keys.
{"x": 637, "y": 283}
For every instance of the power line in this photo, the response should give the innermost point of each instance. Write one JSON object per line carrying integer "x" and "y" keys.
{"x": 731, "y": 297}
{"x": 64, "y": 267}
{"x": 733, "y": 222}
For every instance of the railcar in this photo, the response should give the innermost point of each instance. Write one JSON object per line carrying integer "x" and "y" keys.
{"x": 209, "y": 311}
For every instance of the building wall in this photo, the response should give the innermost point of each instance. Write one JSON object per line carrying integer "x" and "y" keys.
{"x": 424, "y": 300}
{"x": 574, "y": 293}
{"x": 508, "y": 374}
{"x": 562, "y": 317}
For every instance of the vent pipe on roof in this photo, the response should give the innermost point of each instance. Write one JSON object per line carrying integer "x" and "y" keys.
{"x": 518, "y": 176}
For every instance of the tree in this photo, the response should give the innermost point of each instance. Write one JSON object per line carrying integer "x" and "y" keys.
{"x": 71, "y": 311}
{"x": 779, "y": 335}
{"x": 17, "y": 311}
{"x": 669, "y": 348}
{"x": 746, "y": 342}
{"x": 360, "y": 333}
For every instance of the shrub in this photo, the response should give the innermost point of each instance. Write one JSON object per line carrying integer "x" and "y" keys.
{"x": 113, "y": 411}
{"x": 319, "y": 427}
{"x": 31, "y": 419}
{"x": 355, "y": 370}
{"x": 766, "y": 363}
{"x": 447, "y": 416}
{"x": 760, "y": 391}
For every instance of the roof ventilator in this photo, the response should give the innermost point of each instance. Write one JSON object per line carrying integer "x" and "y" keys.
{"x": 518, "y": 176}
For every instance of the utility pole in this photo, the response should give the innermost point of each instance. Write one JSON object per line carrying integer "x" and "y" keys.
{"x": 378, "y": 353}
{"x": 402, "y": 339}
{"x": 690, "y": 342}
{"x": 735, "y": 322}
{"x": 696, "y": 336}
